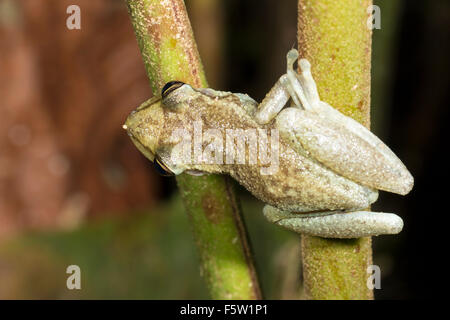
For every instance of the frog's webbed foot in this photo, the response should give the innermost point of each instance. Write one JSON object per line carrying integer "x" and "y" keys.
{"x": 344, "y": 225}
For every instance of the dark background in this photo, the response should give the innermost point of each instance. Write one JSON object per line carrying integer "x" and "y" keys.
{"x": 73, "y": 189}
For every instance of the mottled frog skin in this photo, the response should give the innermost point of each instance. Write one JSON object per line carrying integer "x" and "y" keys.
{"x": 320, "y": 168}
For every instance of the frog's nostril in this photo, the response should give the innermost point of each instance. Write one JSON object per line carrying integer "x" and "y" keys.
{"x": 129, "y": 129}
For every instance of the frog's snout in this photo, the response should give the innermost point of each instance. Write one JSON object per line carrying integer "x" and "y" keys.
{"x": 128, "y": 129}
{"x": 143, "y": 126}
{"x": 128, "y": 126}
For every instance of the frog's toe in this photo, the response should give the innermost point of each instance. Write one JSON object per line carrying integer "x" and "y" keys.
{"x": 345, "y": 225}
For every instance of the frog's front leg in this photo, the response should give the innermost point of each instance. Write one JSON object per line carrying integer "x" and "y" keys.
{"x": 300, "y": 88}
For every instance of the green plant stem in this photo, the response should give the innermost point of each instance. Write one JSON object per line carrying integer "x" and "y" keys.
{"x": 334, "y": 37}
{"x": 169, "y": 52}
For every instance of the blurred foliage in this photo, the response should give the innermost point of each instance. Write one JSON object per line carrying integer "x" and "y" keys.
{"x": 383, "y": 63}
{"x": 144, "y": 256}
{"x": 65, "y": 94}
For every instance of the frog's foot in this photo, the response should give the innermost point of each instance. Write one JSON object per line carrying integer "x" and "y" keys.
{"x": 301, "y": 87}
{"x": 344, "y": 225}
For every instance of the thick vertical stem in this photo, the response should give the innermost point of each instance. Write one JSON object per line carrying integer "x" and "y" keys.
{"x": 335, "y": 38}
{"x": 169, "y": 52}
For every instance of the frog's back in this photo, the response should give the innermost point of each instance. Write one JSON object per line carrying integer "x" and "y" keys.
{"x": 274, "y": 172}
{"x": 298, "y": 183}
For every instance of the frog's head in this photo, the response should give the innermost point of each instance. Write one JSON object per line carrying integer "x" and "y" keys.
{"x": 144, "y": 125}
{"x": 147, "y": 123}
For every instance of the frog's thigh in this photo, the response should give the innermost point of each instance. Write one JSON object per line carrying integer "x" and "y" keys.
{"x": 345, "y": 225}
{"x": 287, "y": 121}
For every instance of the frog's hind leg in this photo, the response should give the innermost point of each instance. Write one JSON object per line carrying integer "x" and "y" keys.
{"x": 344, "y": 225}
{"x": 328, "y": 135}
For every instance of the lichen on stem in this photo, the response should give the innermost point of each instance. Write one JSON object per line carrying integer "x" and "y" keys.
{"x": 168, "y": 48}
{"x": 334, "y": 37}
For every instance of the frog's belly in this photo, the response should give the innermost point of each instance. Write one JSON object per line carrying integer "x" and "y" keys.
{"x": 298, "y": 184}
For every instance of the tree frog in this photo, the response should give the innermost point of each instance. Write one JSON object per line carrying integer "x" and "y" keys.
{"x": 315, "y": 168}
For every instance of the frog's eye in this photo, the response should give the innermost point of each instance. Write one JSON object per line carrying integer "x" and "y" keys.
{"x": 169, "y": 87}
{"x": 162, "y": 168}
